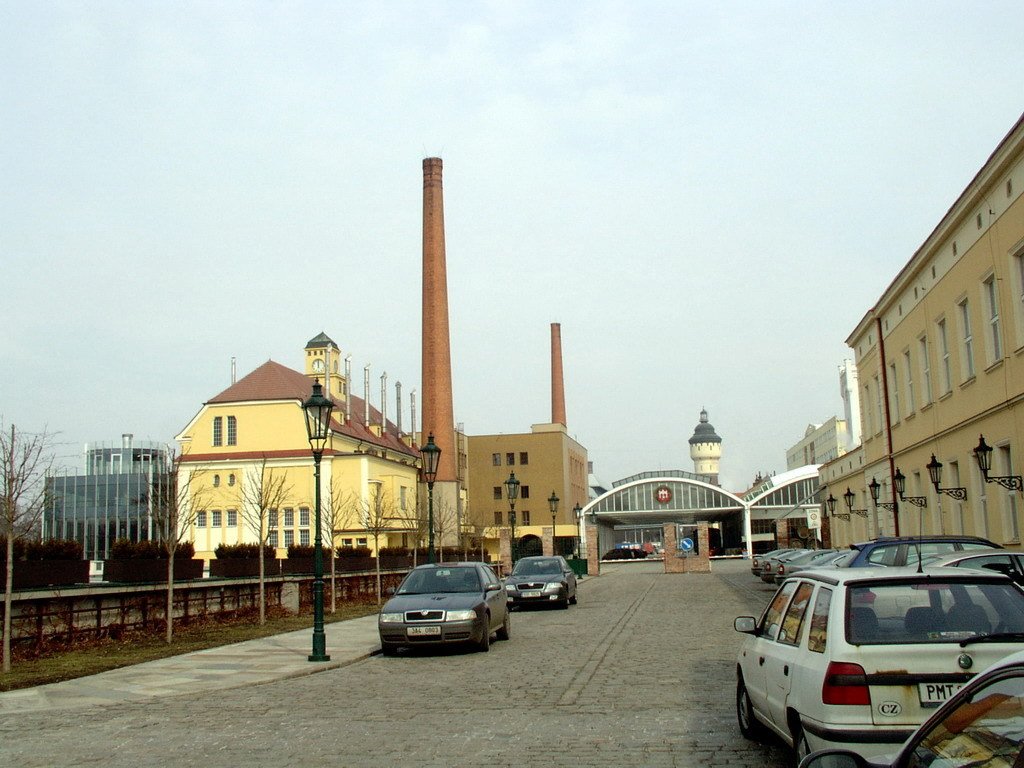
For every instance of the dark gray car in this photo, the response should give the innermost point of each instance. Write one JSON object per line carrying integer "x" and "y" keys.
{"x": 445, "y": 603}
{"x": 544, "y": 580}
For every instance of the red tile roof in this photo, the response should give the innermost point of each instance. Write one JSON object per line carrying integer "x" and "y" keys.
{"x": 273, "y": 381}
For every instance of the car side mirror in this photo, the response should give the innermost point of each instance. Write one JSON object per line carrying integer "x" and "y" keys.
{"x": 390, "y": 591}
{"x": 834, "y": 758}
{"x": 493, "y": 587}
{"x": 745, "y": 624}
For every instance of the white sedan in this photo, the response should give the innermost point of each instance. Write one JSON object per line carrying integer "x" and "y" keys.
{"x": 858, "y": 658}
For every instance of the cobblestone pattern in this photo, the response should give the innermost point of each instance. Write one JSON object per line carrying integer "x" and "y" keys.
{"x": 640, "y": 673}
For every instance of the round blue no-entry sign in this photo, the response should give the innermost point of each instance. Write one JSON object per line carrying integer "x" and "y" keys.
{"x": 686, "y": 545}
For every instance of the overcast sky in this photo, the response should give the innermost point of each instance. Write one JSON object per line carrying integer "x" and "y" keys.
{"x": 707, "y": 196}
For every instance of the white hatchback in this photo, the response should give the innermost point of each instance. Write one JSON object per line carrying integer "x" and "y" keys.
{"x": 858, "y": 658}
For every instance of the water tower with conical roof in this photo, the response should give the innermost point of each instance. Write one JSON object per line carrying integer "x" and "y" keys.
{"x": 706, "y": 449}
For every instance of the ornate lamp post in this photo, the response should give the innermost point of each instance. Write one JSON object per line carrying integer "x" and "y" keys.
{"x": 577, "y": 512}
{"x": 900, "y": 482}
{"x": 317, "y": 410}
{"x": 935, "y": 475}
{"x": 983, "y": 453}
{"x": 431, "y": 456}
{"x": 553, "y": 503}
{"x": 512, "y": 490}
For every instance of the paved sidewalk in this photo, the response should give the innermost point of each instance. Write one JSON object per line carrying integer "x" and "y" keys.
{"x": 229, "y": 666}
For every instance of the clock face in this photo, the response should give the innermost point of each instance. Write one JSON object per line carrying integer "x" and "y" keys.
{"x": 318, "y": 366}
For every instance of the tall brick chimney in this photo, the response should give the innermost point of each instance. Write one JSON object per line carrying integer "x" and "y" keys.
{"x": 557, "y": 384}
{"x": 436, "y": 402}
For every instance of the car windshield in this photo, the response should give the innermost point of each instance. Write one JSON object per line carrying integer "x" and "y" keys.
{"x": 931, "y": 611}
{"x": 434, "y": 580}
{"x": 549, "y": 567}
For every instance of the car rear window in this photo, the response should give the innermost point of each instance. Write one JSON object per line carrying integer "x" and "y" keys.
{"x": 930, "y": 611}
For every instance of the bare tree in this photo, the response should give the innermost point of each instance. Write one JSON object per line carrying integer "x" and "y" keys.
{"x": 25, "y": 461}
{"x": 379, "y": 515}
{"x": 338, "y": 513}
{"x": 178, "y": 498}
{"x": 446, "y": 525}
{"x": 413, "y": 519}
{"x": 262, "y": 491}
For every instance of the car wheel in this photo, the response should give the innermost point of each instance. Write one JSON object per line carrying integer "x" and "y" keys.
{"x": 388, "y": 649}
{"x": 800, "y": 745}
{"x": 505, "y": 630}
{"x": 573, "y": 598}
{"x": 485, "y": 637}
{"x": 749, "y": 725}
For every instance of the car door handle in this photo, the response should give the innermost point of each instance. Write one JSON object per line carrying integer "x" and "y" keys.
{"x": 760, "y": 662}
{"x": 785, "y": 670}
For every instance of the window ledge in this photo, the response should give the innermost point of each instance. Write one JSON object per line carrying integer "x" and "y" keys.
{"x": 925, "y": 407}
{"x": 945, "y": 395}
{"x": 997, "y": 364}
{"x": 967, "y": 382}
{"x": 910, "y": 416}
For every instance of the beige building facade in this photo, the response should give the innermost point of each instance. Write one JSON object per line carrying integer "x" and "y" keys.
{"x": 940, "y": 359}
{"x": 545, "y": 460}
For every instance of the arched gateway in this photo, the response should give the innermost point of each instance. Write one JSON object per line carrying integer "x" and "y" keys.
{"x": 649, "y": 500}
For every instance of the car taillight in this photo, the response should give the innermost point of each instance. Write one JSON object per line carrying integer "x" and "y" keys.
{"x": 845, "y": 683}
{"x": 781, "y": 570}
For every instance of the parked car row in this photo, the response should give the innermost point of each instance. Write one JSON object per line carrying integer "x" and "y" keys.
{"x": 441, "y": 604}
{"x": 624, "y": 553}
{"x": 855, "y": 658}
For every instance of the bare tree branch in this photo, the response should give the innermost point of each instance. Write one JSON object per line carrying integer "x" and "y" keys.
{"x": 263, "y": 492}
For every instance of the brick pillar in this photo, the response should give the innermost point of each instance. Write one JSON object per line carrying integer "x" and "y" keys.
{"x": 678, "y": 562}
{"x": 674, "y": 561}
{"x": 557, "y": 384}
{"x": 593, "y": 552}
{"x": 826, "y": 532}
{"x": 505, "y": 550}
{"x": 436, "y": 380}
{"x": 547, "y": 541}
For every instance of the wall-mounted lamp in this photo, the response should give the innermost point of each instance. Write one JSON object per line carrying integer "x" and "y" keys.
{"x": 935, "y": 473}
{"x": 983, "y": 453}
{"x": 830, "y": 502}
{"x": 874, "y": 487}
{"x": 848, "y": 498}
{"x": 900, "y": 481}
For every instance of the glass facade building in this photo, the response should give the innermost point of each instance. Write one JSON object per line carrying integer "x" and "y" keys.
{"x": 112, "y": 500}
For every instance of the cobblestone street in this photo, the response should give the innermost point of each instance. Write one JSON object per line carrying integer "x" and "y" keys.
{"x": 640, "y": 673}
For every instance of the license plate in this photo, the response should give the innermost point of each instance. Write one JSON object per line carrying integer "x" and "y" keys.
{"x": 530, "y": 593}
{"x": 422, "y": 631}
{"x": 934, "y": 694}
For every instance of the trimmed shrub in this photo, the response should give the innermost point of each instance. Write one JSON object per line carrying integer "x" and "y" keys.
{"x": 395, "y": 551}
{"x": 125, "y": 549}
{"x": 299, "y": 551}
{"x": 19, "y": 548}
{"x": 54, "y": 549}
{"x": 243, "y": 552}
{"x": 348, "y": 552}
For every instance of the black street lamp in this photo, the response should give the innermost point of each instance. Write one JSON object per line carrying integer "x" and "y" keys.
{"x": 553, "y": 503}
{"x": 900, "y": 481}
{"x": 934, "y": 468}
{"x": 512, "y": 490}
{"x": 830, "y": 503}
{"x": 431, "y": 456}
{"x": 983, "y": 453}
{"x": 874, "y": 486}
{"x": 317, "y": 410}
{"x": 848, "y": 498}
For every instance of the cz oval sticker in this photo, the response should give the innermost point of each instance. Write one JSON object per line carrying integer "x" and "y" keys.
{"x": 890, "y": 708}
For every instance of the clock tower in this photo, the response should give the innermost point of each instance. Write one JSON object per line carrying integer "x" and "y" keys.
{"x": 324, "y": 363}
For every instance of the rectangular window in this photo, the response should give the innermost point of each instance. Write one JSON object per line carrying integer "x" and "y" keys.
{"x": 817, "y": 639}
{"x": 1018, "y": 274}
{"x": 346, "y": 542}
{"x": 496, "y": 459}
{"x": 232, "y": 518}
{"x": 303, "y": 516}
{"x": 403, "y": 501}
{"x": 497, "y": 517}
{"x": 215, "y": 518}
{"x": 1006, "y": 468}
{"x": 304, "y": 537}
{"x": 958, "y": 506}
{"x": 526, "y": 517}
{"x": 879, "y": 408}
{"x": 289, "y": 518}
{"x": 200, "y": 519}
{"x": 894, "y": 393}
{"x": 510, "y": 459}
{"x": 869, "y": 412}
{"x": 497, "y": 492}
{"x": 946, "y": 366}
{"x": 995, "y": 337}
{"x": 272, "y": 539}
{"x": 289, "y": 538}
{"x": 271, "y": 519}
{"x": 361, "y": 542}
{"x": 524, "y": 491}
{"x": 232, "y": 430}
{"x": 908, "y": 364}
{"x": 926, "y": 371}
{"x": 524, "y": 457}
{"x": 967, "y": 340}
{"x": 218, "y": 430}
